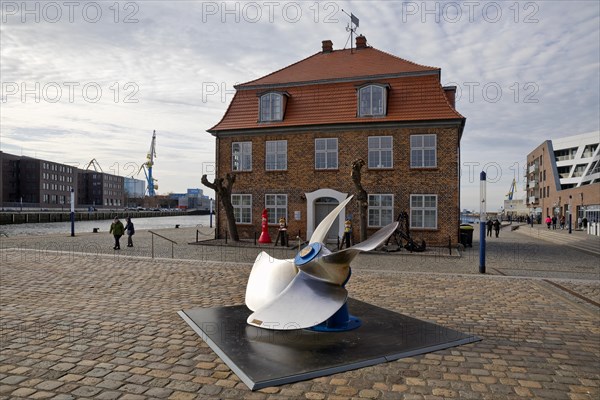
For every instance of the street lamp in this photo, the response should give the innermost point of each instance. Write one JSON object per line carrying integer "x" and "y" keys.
{"x": 72, "y": 212}
{"x": 482, "y": 221}
{"x": 570, "y": 213}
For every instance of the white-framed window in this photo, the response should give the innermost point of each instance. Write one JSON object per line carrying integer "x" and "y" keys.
{"x": 381, "y": 209}
{"x": 423, "y": 152}
{"x": 380, "y": 152}
{"x": 241, "y": 156}
{"x": 371, "y": 101}
{"x": 276, "y": 155}
{"x": 271, "y": 106}
{"x": 423, "y": 211}
{"x": 326, "y": 153}
{"x": 276, "y": 205}
{"x": 242, "y": 208}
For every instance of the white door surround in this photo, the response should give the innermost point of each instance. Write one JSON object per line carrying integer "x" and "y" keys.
{"x": 310, "y": 208}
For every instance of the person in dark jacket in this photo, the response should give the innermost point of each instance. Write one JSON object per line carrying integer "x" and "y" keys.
{"x": 117, "y": 229}
{"x": 489, "y": 224}
{"x": 497, "y": 227}
{"x": 130, "y": 230}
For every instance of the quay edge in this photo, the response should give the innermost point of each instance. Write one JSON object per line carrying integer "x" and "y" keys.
{"x": 12, "y": 217}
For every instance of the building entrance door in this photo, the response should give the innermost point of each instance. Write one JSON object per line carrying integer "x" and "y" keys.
{"x": 323, "y": 206}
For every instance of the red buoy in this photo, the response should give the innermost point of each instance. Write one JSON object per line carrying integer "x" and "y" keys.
{"x": 264, "y": 235}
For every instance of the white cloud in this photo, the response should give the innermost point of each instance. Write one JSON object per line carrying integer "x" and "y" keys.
{"x": 180, "y": 60}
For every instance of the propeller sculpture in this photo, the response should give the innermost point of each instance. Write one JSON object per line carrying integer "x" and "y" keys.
{"x": 307, "y": 291}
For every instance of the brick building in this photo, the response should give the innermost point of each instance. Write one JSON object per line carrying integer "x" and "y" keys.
{"x": 99, "y": 189}
{"x": 36, "y": 183}
{"x": 291, "y": 137}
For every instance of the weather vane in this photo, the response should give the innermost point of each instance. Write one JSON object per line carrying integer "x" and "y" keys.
{"x": 351, "y": 27}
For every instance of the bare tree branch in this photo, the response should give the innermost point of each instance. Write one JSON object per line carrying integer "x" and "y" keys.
{"x": 361, "y": 197}
{"x": 224, "y": 193}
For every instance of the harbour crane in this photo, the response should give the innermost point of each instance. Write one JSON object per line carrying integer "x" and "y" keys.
{"x": 94, "y": 163}
{"x": 147, "y": 167}
{"x": 511, "y": 191}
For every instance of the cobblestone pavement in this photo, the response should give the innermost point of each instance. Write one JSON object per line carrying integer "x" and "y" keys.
{"x": 104, "y": 324}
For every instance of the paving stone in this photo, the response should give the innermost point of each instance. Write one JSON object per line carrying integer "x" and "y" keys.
{"x": 109, "y": 395}
{"x": 132, "y": 388}
{"x": 49, "y": 385}
{"x": 161, "y": 393}
{"x": 23, "y": 392}
{"x": 41, "y": 395}
{"x": 86, "y": 391}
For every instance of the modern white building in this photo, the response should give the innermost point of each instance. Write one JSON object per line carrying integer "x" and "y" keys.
{"x": 577, "y": 159}
{"x": 563, "y": 178}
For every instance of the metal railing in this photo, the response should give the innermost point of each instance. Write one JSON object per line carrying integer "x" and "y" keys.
{"x": 160, "y": 236}
{"x": 203, "y": 234}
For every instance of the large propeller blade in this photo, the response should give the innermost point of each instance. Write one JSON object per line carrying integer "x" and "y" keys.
{"x": 347, "y": 255}
{"x": 268, "y": 278}
{"x": 320, "y": 233}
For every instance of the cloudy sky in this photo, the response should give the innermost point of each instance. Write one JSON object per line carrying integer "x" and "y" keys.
{"x": 85, "y": 80}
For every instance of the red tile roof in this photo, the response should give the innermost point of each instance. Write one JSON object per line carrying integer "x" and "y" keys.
{"x": 323, "y": 90}
{"x": 340, "y": 64}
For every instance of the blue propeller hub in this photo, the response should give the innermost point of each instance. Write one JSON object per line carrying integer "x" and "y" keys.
{"x": 307, "y": 254}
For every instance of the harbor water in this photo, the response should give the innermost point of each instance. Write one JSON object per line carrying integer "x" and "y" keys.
{"x": 49, "y": 228}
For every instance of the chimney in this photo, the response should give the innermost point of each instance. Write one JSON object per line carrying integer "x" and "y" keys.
{"x": 361, "y": 42}
{"x": 450, "y": 92}
{"x": 327, "y": 46}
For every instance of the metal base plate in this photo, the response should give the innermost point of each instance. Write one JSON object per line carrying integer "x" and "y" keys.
{"x": 262, "y": 358}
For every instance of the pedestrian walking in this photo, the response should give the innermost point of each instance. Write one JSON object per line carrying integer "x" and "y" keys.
{"x": 548, "y": 221}
{"x": 117, "y": 229}
{"x": 497, "y": 227}
{"x": 562, "y": 222}
{"x": 130, "y": 230}
{"x": 554, "y": 222}
{"x": 489, "y": 224}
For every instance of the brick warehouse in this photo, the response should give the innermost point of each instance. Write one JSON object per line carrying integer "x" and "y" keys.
{"x": 290, "y": 138}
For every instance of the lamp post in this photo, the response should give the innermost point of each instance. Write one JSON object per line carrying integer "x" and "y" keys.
{"x": 72, "y": 212}
{"x": 570, "y": 214}
{"x": 482, "y": 221}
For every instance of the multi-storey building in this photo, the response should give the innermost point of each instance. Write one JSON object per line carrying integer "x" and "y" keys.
{"x": 32, "y": 182}
{"x": 564, "y": 174}
{"x": 99, "y": 189}
{"x": 38, "y": 183}
{"x": 291, "y": 137}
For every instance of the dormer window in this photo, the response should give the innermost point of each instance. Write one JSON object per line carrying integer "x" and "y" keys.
{"x": 272, "y": 106}
{"x": 372, "y": 100}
